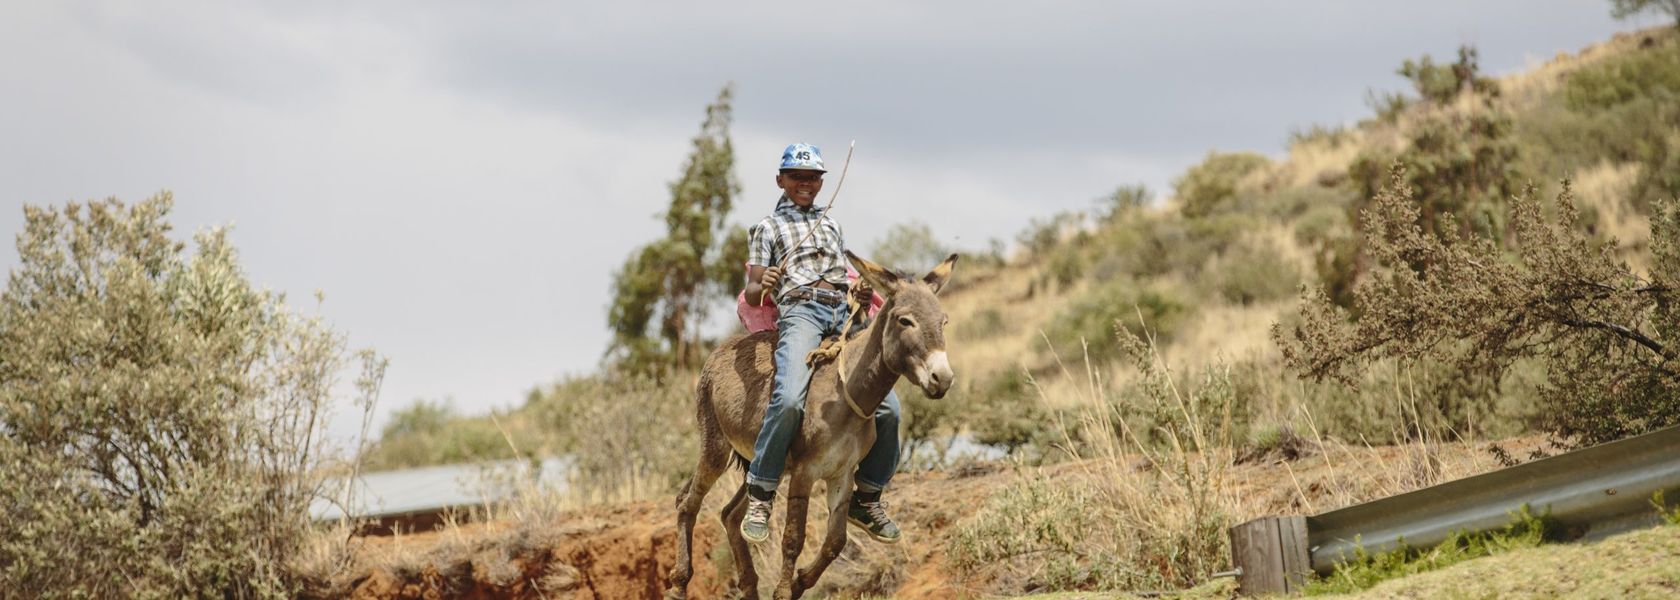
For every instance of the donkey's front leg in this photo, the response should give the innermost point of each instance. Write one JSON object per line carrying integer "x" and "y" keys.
{"x": 793, "y": 537}
{"x": 714, "y": 459}
{"x": 839, "y": 495}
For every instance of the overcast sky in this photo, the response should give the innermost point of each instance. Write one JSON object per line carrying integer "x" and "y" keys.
{"x": 461, "y": 178}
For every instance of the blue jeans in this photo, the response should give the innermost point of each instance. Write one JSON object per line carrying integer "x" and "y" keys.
{"x": 801, "y": 325}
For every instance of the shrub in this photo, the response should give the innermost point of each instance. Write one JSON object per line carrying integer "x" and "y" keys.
{"x": 1291, "y": 203}
{"x": 432, "y": 433}
{"x": 1442, "y": 83}
{"x": 1066, "y": 266}
{"x": 1628, "y": 109}
{"x": 983, "y": 325}
{"x": 629, "y": 436}
{"x": 160, "y": 418}
{"x": 1041, "y": 236}
{"x": 911, "y": 247}
{"x": 1319, "y": 224}
{"x": 1008, "y": 415}
{"x": 1319, "y": 134}
{"x": 929, "y": 423}
{"x": 1034, "y": 517}
{"x": 1211, "y": 186}
{"x": 1604, "y": 332}
{"x": 1156, "y": 246}
{"x": 1253, "y": 273}
{"x": 1458, "y": 164}
{"x": 1122, "y": 525}
{"x": 1123, "y": 202}
{"x": 1092, "y": 319}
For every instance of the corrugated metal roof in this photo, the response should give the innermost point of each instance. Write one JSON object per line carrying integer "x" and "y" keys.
{"x": 433, "y": 489}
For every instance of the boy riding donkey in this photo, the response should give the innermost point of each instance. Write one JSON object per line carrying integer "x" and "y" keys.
{"x": 796, "y": 256}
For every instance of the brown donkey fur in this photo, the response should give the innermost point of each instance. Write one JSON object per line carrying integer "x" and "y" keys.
{"x": 907, "y": 339}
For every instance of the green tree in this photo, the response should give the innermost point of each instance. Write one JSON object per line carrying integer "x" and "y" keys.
{"x": 1442, "y": 83}
{"x": 1609, "y": 336}
{"x": 1123, "y": 201}
{"x": 1623, "y": 9}
{"x": 911, "y": 247}
{"x": 661, "y": 294}
{"x": 161, "y": 419}
{"x": 1211, "y": 186}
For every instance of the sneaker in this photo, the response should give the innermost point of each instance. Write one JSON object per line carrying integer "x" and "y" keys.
{"x": 872, "y": 518}
{"x": 756, "y": 526}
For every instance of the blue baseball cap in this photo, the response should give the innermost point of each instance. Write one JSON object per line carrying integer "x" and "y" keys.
{"x": 802, "y": 157}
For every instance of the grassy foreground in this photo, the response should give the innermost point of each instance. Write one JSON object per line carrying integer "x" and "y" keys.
{"x": 1639, "y": 564}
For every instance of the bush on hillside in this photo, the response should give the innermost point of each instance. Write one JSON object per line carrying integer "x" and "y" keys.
{"x": 1461, "y": 168}
{"x": 1162, "y": 244}
{"x": 1090, "y": 321}
{"x": 1458, "y": 164}
{"x": 1631, "y": 106}
{"x": 929, "y": 425}
{"x": 433, "y": 433}
{"x": 1290, "y": 204}
{"x": 1212, "y": 185}
{"x": 160, "y": 418}
{"x": 629, "y": 436}
{"x": 1254, "y": 272}
{"x": 1126, "y": 521}
{"x": 1606, "y": 334}
{"x": 1043, "y": 236}
{"x": 1123, "y": 202}
{"x": 1440, "y": 84}
{"x": 980, "y": 326}
{"x": 1320, "y": 224}
{"x": 1319, "y": 134}
{"x": 1009, "y": 414}
{"x": 909, "y": 247}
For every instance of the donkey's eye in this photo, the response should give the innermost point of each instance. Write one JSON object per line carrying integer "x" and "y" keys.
{"x": 906, "y": 322}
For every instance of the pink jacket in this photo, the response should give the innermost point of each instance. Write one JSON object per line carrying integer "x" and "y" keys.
{"x": 763, "y": 317}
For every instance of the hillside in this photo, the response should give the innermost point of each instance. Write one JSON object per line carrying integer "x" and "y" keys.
{"x": 1125, "y": 359}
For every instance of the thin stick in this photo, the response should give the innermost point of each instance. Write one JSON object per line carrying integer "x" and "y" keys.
{"x": 836, "y": 194}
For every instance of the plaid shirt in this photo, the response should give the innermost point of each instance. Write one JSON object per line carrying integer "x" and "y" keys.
{"x": 821, "y": 256}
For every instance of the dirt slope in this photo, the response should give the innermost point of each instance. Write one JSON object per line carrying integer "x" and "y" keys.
{"x": 627, "y": 551}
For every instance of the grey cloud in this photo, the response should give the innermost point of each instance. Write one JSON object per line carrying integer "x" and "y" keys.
{"x": 462, "y": 178}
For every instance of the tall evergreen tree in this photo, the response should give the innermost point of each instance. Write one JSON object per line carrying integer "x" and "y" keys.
{"x": 661, "y": 294}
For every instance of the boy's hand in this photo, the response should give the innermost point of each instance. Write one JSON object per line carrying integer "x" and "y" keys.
{"x": 770, "y": 278}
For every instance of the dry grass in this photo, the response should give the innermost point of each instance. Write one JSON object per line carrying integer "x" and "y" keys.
{"x": 1145, "y": 503}
{"x": 1311, "y": 160}
{"x": 1605, "y": 187}
{"x": 1530, "y": 85}
{"x": 1022, "y": 317}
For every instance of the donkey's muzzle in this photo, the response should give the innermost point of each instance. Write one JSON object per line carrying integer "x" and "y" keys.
{"x": 936, "y": 376}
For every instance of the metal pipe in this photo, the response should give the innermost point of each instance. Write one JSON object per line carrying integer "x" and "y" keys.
{"x": 1592, "y": 492}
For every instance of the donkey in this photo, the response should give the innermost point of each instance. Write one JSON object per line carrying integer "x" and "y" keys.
{"x": 906, "y": 339}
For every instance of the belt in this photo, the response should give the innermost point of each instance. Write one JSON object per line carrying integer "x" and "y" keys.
{"x": 829, "y": 297}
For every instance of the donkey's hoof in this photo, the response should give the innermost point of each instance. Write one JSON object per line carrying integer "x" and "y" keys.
{"x": 676, "y": 594}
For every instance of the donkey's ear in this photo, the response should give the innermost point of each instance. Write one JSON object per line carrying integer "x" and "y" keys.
{"x": 882, "y": 280}
{"x": 941, "y": 274}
